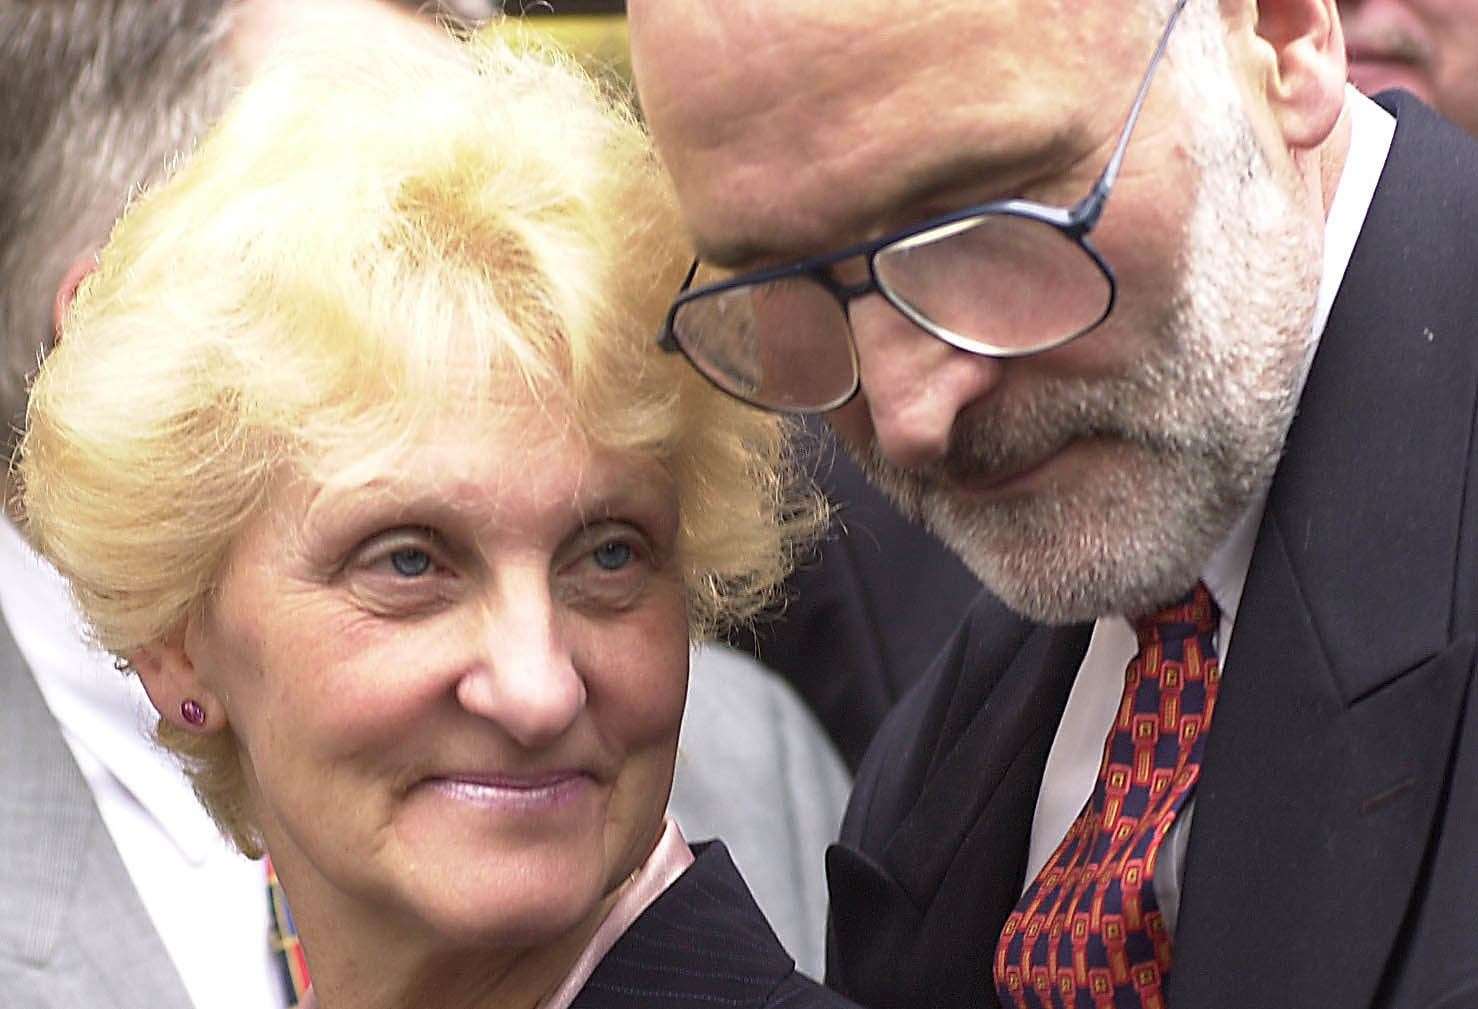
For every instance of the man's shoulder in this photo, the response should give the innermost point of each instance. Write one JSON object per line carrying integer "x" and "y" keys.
{"x": 1373, "y": 494}
{"x": 31, "y": 741}
{"x": 800, "y": 992}
{"x": 991, "y": 645}
{"x": 1418, "y": 123}
{"x": 1427, "y": 196}
{"x": 73, "y": 930}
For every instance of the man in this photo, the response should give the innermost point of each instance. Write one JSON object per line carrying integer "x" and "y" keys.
{"x": 1082, "y": 327}
{"x": 1428, "y": 47}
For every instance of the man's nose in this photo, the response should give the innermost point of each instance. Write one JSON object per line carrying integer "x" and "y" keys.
{"x": 914, "y": 386}
{"x": 524, "y": 679}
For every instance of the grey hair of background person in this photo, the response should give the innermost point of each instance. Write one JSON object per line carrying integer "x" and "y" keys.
{"x": 96, "y": 97}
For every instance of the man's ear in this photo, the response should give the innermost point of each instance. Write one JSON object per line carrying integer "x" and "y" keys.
{"x": 175, "y": 688}
{"x": 67, "y": 289}
{"x": 1299, "y": 53}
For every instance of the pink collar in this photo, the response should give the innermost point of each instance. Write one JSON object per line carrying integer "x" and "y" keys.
{"x": 661, "y": 869}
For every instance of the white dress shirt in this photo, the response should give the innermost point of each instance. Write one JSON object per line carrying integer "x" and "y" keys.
{"x": 207, "y": 902}
{"x": 1077, "y": 749}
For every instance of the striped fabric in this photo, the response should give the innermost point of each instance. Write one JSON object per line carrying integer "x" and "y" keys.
{"x": 292, "y": 965}
{"x": 703, "y": 944}
{"x": 1088, "y": 932}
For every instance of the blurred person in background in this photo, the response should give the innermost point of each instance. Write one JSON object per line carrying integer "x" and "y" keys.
{"x": 357, "y": 445}
{"x": 1428, "y": 47}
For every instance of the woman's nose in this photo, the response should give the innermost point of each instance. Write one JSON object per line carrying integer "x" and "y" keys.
{"x": 914, "y": 386}
{"x": 525, "y": 679}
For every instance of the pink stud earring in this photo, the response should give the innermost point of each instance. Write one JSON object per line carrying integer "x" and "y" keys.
{"x": 192, "y": 712}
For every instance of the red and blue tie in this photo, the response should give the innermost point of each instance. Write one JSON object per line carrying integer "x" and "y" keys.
{"x": 1088, "y": 933}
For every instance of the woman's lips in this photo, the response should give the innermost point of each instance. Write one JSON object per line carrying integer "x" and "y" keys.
{"x": 530, "y": 792}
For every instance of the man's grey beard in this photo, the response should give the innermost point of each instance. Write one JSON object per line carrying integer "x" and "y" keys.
{"x": 1196, "y": 427}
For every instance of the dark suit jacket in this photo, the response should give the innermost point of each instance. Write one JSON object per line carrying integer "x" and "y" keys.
{"x": 1333, "y": 860}
{"x": 703, "y": 943}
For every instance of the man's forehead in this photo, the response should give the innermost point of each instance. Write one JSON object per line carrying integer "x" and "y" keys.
{"x": 767, "y": 117}
{"x": 687, "y": 56}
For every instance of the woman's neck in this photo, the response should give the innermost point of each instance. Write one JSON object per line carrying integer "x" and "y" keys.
{"x": 381, "y": 974}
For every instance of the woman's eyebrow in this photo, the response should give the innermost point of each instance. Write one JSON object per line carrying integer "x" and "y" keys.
{"x": 643, "y": 486}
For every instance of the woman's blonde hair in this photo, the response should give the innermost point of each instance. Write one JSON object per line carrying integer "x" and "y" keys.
{"x": 373, "y": 232}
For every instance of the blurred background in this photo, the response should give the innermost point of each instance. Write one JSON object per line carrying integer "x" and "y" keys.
{"x": 594, "y": 30}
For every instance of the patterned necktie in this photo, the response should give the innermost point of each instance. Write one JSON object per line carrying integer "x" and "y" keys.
{"x": 292, "y": 966}
{"x": 1088, "y": 932}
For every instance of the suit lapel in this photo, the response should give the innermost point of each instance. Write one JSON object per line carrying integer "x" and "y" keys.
{"x": 1326, "y": 766}
{"x": 1310, "y": 814}
{"x": 67, "y": 908}
{"x": 918, "y": 917}
{"x": 988, "y": 772}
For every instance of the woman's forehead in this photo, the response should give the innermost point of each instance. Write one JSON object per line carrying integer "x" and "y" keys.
{"x": 468, "y": 465}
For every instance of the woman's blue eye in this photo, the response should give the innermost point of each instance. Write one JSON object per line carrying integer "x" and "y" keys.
{"x": 613, "y": 556}
{"x": 410, "y": 562}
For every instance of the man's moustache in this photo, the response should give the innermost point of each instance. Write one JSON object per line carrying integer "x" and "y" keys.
{"x": 985, "y": 449}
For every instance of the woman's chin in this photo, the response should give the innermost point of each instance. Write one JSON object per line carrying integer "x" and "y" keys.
{"x": 532, "y": 925}
{"x": 506, "y": 896}
{"x": 510, "y": 914}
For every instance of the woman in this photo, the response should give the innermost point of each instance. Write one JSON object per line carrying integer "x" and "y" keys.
{"x": 356, "y": 445}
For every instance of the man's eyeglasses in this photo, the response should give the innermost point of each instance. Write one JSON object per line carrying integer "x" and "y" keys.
{"x": 1005, "y": 278}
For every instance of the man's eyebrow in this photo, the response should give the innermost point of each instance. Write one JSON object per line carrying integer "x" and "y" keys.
{"x": 742, "y": 254}
{"x": 916, "y": 195}
{"x": 1000, "y": 173}
{"x": 966, "y": 171}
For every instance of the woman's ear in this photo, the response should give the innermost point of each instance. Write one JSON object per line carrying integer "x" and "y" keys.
{"x": 1301, "y": 61}
{"x": 170, "y": 679}
{"x": 67, "y": 289}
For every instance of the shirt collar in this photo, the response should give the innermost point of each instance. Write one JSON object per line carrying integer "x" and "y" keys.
{"x": 101, "y": 712}
{"x": 1371, "y": 131}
